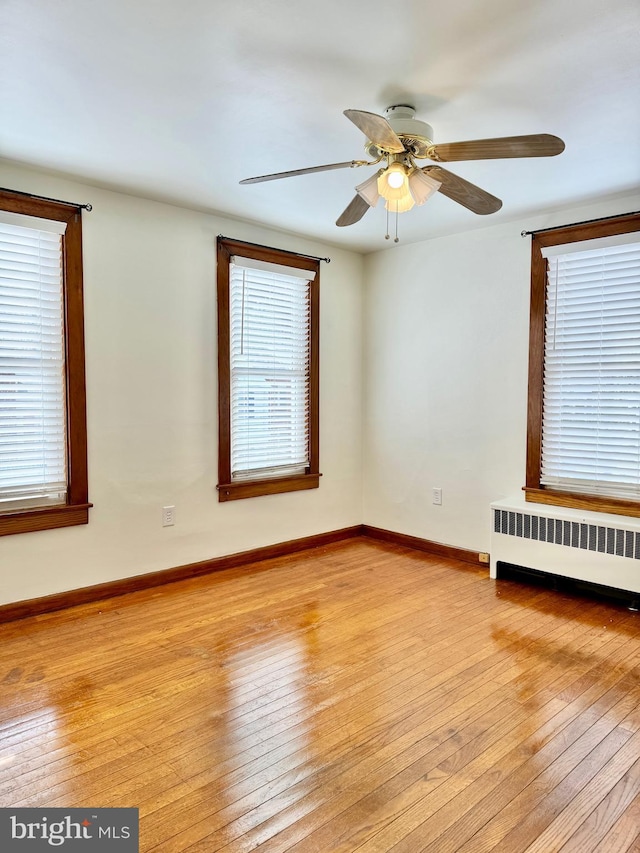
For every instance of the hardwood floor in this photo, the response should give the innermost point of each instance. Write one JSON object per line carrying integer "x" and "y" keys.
{"x": 357, "y": 697}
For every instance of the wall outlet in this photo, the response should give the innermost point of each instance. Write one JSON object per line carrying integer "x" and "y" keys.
{"x": 484, "y": 558}
{"x": 436, "y": 499}
{"x": 168, "y": 516}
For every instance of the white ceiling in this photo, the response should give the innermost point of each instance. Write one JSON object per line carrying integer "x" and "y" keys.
{"x": 181, "y": 100}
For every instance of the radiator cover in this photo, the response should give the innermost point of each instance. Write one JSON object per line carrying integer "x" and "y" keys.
{"x": 594, "y": 547}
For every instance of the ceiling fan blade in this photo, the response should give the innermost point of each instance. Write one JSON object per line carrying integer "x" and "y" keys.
{"x": 535, "y": 145}
{"x": 277, "y": 175}
{"x": 377, "y": 129}
{"x": 353, "y": 212}
{"x": 465, "y": 193}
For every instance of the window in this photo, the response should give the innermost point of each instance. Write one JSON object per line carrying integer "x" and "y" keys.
{"x": 43, "y": 445}
{"x": 583, "y": 445}
{"x": 267, "y": 371}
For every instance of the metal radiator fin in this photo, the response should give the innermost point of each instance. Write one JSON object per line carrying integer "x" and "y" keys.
{"x": 572, "y": 534}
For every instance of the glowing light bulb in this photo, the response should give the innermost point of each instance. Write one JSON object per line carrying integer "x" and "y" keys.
{"x": 393, "y": 183}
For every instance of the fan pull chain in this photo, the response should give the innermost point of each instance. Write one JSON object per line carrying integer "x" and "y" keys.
{"x": 387, "y": 236}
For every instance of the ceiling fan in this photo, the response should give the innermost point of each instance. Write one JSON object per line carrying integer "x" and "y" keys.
{"x": 399, "y": 139}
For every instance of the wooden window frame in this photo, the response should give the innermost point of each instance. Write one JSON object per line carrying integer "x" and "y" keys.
{"x": 228, "y": 490}
{"x": 534, "y": 490}
{"x": 76, "y": 509}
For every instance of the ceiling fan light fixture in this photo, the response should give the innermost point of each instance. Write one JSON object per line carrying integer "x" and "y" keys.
{"x": 400, "y": 205}
{"x": 369, "y": 190}
{"x": 393, "y": 183}
{"x": 421, "y": 186}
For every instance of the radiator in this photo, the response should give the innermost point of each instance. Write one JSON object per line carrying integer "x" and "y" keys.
{"x": 594, "y": 547}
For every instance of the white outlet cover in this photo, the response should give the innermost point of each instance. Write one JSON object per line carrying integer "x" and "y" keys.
{"x": 168, "y": 516}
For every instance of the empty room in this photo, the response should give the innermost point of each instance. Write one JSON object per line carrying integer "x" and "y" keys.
{"x": 320, "y": 426}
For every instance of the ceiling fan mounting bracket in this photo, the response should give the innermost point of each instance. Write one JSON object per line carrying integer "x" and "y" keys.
{"x": 415, "y": 135}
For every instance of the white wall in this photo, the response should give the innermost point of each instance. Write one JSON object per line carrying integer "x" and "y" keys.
{"x": 151, "y": 397}
{"x": 446, "y": 356}
{"x": 443, "y": 364}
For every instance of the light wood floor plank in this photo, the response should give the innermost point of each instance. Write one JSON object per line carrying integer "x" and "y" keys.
{"x": 625, "y": 833}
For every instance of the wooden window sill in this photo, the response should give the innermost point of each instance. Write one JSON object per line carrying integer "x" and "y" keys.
{"x": 592, "y": 503}
{"x": 47, "y": 518}
{"x": 255, "y": 488}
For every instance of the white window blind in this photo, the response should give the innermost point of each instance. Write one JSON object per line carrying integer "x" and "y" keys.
{"x": 32, "y": 384}
{"x": 269, "y": 307}
{"x": 591, "y": 403}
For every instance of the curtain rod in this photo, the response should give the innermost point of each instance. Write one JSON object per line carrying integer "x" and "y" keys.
{"x": 262, "y": 246}
{"x": 46, "y": 198}
{"x": 584, "y": 222}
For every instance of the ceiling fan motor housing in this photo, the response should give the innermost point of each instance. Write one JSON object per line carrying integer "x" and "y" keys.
{"x": 416, "y": 135}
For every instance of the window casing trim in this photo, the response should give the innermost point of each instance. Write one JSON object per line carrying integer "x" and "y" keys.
{"x": 246, "y": 488}
{"x": 76, "y": 508}
{"x": 534, "y": 490}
